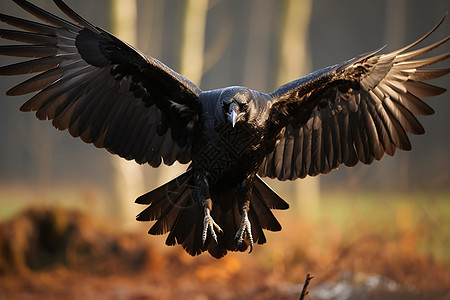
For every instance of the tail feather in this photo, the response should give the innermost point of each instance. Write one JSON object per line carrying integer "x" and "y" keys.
{"x": 226, "y": 213}
{"x": 161, "y": 192}
{"x": 171, "y": 238}
{"x": 272, "y": 199}
{"x": 158, "y": 198}
{"x": 263, "y": 200}
{"x": 177, "y": 212}
{"x": 257, "y": 229}
{"x": 193, "y": 243}
{"x": 169, "y": 216}
{"x": 265, "y": 216}
{"x": 187, "y": 219}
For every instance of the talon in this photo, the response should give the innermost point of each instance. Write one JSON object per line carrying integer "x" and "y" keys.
{"x": 244, "y": 228}
{"x": 211, "y": 225}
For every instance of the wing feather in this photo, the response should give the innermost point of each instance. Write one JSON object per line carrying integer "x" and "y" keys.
{"x": 354, "y": 111}
{"x": 100, "y": 88}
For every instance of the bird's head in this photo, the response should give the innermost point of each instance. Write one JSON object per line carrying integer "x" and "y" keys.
{"x": 236, "y": 102}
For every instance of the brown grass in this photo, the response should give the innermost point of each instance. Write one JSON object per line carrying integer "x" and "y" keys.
{"x": 54, "y": 253}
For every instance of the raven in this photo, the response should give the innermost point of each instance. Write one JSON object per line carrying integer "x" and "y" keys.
{"x": 109, "y": 94}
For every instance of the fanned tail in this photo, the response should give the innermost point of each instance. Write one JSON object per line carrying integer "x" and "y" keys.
{"x": 176, "y": 211}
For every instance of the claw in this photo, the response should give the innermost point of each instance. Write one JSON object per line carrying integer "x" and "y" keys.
{"x": 209, "y": 223}
{"x": 245, "y": 227}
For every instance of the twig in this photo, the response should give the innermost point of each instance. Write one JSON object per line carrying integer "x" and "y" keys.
{"x": 305, "y": 290}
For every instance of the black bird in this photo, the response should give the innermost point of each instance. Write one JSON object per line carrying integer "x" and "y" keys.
{"x": 111, "y": 95}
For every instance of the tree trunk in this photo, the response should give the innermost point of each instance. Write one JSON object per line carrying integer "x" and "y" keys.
{"x": 191, "y": 60}
{"x": 295, "y": 62}
{"x": 127, "y": 176}
{"x": 395, "y": 35}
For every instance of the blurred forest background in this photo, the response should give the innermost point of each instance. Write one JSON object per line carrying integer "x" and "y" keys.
{"x": 260, "y": 44}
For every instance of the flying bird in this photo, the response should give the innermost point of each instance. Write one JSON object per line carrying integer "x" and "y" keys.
{"x": 113, "y": 96}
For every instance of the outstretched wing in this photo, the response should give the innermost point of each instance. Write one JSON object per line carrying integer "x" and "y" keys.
{"x": 100, "y": 88}
{"x": 354, "y": 111}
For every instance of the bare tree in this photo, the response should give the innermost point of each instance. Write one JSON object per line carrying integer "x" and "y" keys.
{"x": 395, "y": 36}
{"x": 192, "y": 56}
{"x": 193, "y": 40}
{"x": 258, "y": 42}
{"x": 295, "y": 62}
{"x": 127, "y": 175}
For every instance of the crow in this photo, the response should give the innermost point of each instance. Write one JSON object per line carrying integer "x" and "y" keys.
{"x": 108, "y": 93}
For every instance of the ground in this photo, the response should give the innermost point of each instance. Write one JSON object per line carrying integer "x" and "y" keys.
{"x": 54, "y": 252}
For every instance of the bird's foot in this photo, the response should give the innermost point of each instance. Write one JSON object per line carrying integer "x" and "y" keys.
{"x": 211, "y": 225}
{"x": 245, "y": 227}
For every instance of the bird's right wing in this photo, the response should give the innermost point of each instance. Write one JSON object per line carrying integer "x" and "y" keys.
{"x": 100, "y": 88}
{"x": 354, "y": 111}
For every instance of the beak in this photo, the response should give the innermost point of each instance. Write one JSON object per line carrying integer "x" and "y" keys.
{"x": 233, "y": 118}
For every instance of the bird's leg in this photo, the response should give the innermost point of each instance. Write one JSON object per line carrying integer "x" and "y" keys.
{"x": 204, "y": 199}
{"x": 208, "y": 222}
{"x": 244, "y": 194}
{"x": 244, "y": 228}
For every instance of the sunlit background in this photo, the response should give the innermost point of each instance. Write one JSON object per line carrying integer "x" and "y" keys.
{"x": 389, "y": 220}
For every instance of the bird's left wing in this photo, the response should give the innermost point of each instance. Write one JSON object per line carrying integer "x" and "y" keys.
{"x": 100, "y": 88}
{"x": 354, "y": 111}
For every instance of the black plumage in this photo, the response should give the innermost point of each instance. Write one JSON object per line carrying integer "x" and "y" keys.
{"x": 111, "y": 95}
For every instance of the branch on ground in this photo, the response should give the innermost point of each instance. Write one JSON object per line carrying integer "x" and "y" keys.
{"x": 305, "y": 290}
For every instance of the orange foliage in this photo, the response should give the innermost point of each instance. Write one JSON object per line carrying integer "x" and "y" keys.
{"x": 49, "y": 253}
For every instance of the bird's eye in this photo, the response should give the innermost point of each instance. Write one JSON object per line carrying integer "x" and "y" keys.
{"x": 244, "y": 106}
